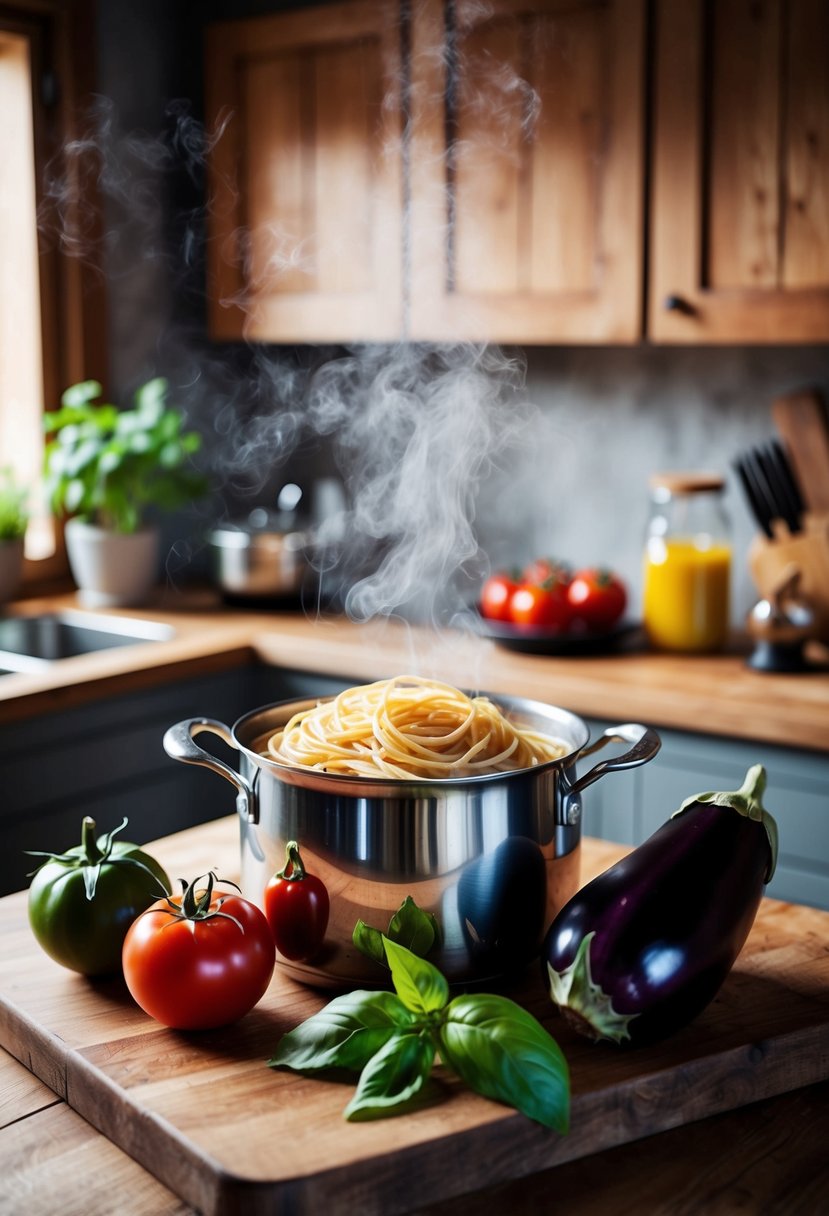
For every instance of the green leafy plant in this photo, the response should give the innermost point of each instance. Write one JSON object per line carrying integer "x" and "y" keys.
{"x": 392, "y": 1038}
{"x": 107, "y": 466}
{"x": 14, "y": 514}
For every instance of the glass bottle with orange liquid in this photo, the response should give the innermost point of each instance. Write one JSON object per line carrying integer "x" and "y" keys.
{"x": 687, "y": 570}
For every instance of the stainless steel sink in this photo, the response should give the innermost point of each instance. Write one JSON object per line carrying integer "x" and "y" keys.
{"x": 33, "y": 643}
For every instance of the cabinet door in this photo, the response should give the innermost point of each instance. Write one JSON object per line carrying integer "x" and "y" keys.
{"x": 740, "y": 207}
{"x": 305, "y": 183}
{"x": 527, "y": 170}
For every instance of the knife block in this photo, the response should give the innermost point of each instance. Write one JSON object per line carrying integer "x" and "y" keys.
{"x": 772, "y": 561}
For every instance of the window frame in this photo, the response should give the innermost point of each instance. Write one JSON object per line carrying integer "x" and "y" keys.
{"x": 62, "y": 37}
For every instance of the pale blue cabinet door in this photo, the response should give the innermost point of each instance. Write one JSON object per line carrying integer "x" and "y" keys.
{"x": 628, "y": 807}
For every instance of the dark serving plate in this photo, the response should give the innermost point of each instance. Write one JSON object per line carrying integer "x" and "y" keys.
{"x": 624, "y": 635}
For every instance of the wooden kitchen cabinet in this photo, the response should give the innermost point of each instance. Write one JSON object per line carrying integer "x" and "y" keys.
{"x": 739, "y": 234}
{"x": 446, "y": 171}
{"x": 306, "y": 190}
{"x": 527, "y": 170}
{"x": 523, "y": 173}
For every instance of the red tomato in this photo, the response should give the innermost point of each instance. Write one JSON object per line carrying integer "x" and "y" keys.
{"x": 297, "y": 906}
{"x": 200, "y": 959}
{"x": 598, "y": 597}
{"x": 546, "y": 569}
{"x": 496, "y": 594}
{"x": 541, "y": 607}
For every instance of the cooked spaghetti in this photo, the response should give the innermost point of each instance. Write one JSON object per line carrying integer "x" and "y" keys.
{"x": 409, "y": 727}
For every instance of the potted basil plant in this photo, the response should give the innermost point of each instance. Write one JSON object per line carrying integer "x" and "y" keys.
{"x": 14, "y": 519}
{"x": 107, "y": 469}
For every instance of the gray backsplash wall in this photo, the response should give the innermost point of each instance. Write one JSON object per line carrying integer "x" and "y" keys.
{"x": 614, "y": 416}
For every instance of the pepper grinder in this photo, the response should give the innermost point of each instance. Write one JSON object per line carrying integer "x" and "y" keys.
{"x": 781, "y": 625}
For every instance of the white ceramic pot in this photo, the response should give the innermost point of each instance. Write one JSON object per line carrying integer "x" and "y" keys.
{"x": 11, "y": 568}
{"x": 112, "y": 569}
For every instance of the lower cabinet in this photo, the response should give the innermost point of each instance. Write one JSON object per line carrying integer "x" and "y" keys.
{"x": 628, "y": 806}
{"x": 106, "y": 760}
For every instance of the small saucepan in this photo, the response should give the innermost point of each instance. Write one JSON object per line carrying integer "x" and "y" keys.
{"x": 264, "y": 557}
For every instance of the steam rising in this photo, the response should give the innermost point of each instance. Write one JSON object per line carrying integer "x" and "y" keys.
{"x": 418, "y": 431}
{"x": 418, "y": 434}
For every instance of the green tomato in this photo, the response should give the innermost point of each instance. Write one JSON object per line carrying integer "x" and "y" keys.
{"x": 82, "y": 902}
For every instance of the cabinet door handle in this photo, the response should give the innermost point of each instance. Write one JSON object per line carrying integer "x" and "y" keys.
{"x": 679, "y": 304}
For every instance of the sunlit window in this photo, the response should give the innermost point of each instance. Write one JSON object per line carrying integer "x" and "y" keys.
{"x": 52, "y": 304}
{"x": 21, "y": 352}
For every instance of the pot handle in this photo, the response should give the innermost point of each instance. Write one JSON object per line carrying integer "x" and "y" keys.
{"x": 646, "y": 743}
{"x": 180, "y": 744}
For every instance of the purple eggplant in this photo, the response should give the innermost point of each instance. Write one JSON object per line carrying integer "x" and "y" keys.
{"x": 642, "y": 949}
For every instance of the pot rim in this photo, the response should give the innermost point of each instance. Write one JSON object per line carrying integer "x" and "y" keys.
{"x": 228, "y": 536}
{"x": 517, "y": 709}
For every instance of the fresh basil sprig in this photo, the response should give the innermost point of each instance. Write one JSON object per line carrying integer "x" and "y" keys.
{"x": 392, "y": 1038}
{"x": 410, "y": 926}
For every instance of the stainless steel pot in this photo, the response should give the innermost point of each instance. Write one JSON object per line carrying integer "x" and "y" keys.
{"x": 494, "y": 857}
{"x": 262, "y": 557}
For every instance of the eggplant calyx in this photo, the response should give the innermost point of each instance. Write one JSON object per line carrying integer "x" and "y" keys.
{"x": 746, "y": 801}
{"x": 583, "y": 1003}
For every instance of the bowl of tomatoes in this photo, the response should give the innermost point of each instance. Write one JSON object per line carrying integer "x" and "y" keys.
{"x": 548, "y": 607}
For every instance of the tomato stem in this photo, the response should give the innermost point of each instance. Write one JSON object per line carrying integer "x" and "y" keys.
{"x": 293, "y": 870}
{"x": 196, "y": 902}
{"x": 89, "y": 842}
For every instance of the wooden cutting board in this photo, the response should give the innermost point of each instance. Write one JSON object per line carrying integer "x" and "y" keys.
{"x": 205, "y": 1115}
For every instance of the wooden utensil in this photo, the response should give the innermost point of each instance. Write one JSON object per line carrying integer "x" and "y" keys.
{"x": 803, "y": 425}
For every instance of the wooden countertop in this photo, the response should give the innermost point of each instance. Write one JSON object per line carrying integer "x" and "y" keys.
{"x": 775, "y": 1162}
{"x": 715, "y": 694}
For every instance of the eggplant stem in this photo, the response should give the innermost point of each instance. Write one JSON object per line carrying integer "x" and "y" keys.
{"x": 748, "y": 802}
{"x": 582, "y": 1001}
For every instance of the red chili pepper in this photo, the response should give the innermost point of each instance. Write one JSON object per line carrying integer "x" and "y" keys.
{"x": 296, "y": 905}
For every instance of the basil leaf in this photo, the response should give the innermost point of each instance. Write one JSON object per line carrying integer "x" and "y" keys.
{"x": 413, "y": 928}
{"x": 420, "y": 986}
{"x": 345, "y": 1034}
{"x": 392, "y": 1077}
{"x": 369, "y": 941}
{"x": 502, "y": 1052}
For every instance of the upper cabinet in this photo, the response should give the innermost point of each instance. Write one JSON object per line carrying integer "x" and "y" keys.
{"x": 526, "y": 155}
{"x": 305, "y": 217}
{"x": 527, "y": 171}
{"x": 740, "y": 201}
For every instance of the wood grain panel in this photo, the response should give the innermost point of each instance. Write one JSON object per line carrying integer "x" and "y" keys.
{"x": 279, "y": 203}
{"x": 306, "y": 186}
{"x": 738, "y": 212}
{"x": 205, "y": 1114}
{"x": 569, "y": 67}
{"x": 806, "y": 246}
{"x": 743, "y": 187}
{"x": 55, "y": 1162}
{"x": 538, "y": 235}
{"x": 348, "y": 105}
{"x": 490, "y": 160}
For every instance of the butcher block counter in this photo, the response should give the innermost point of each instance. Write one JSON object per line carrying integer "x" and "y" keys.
{"x": 115, "y": 1113}
{"x": 717, "y": 694}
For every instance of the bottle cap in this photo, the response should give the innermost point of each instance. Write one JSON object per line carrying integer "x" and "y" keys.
{"x": 687, "y": 483}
